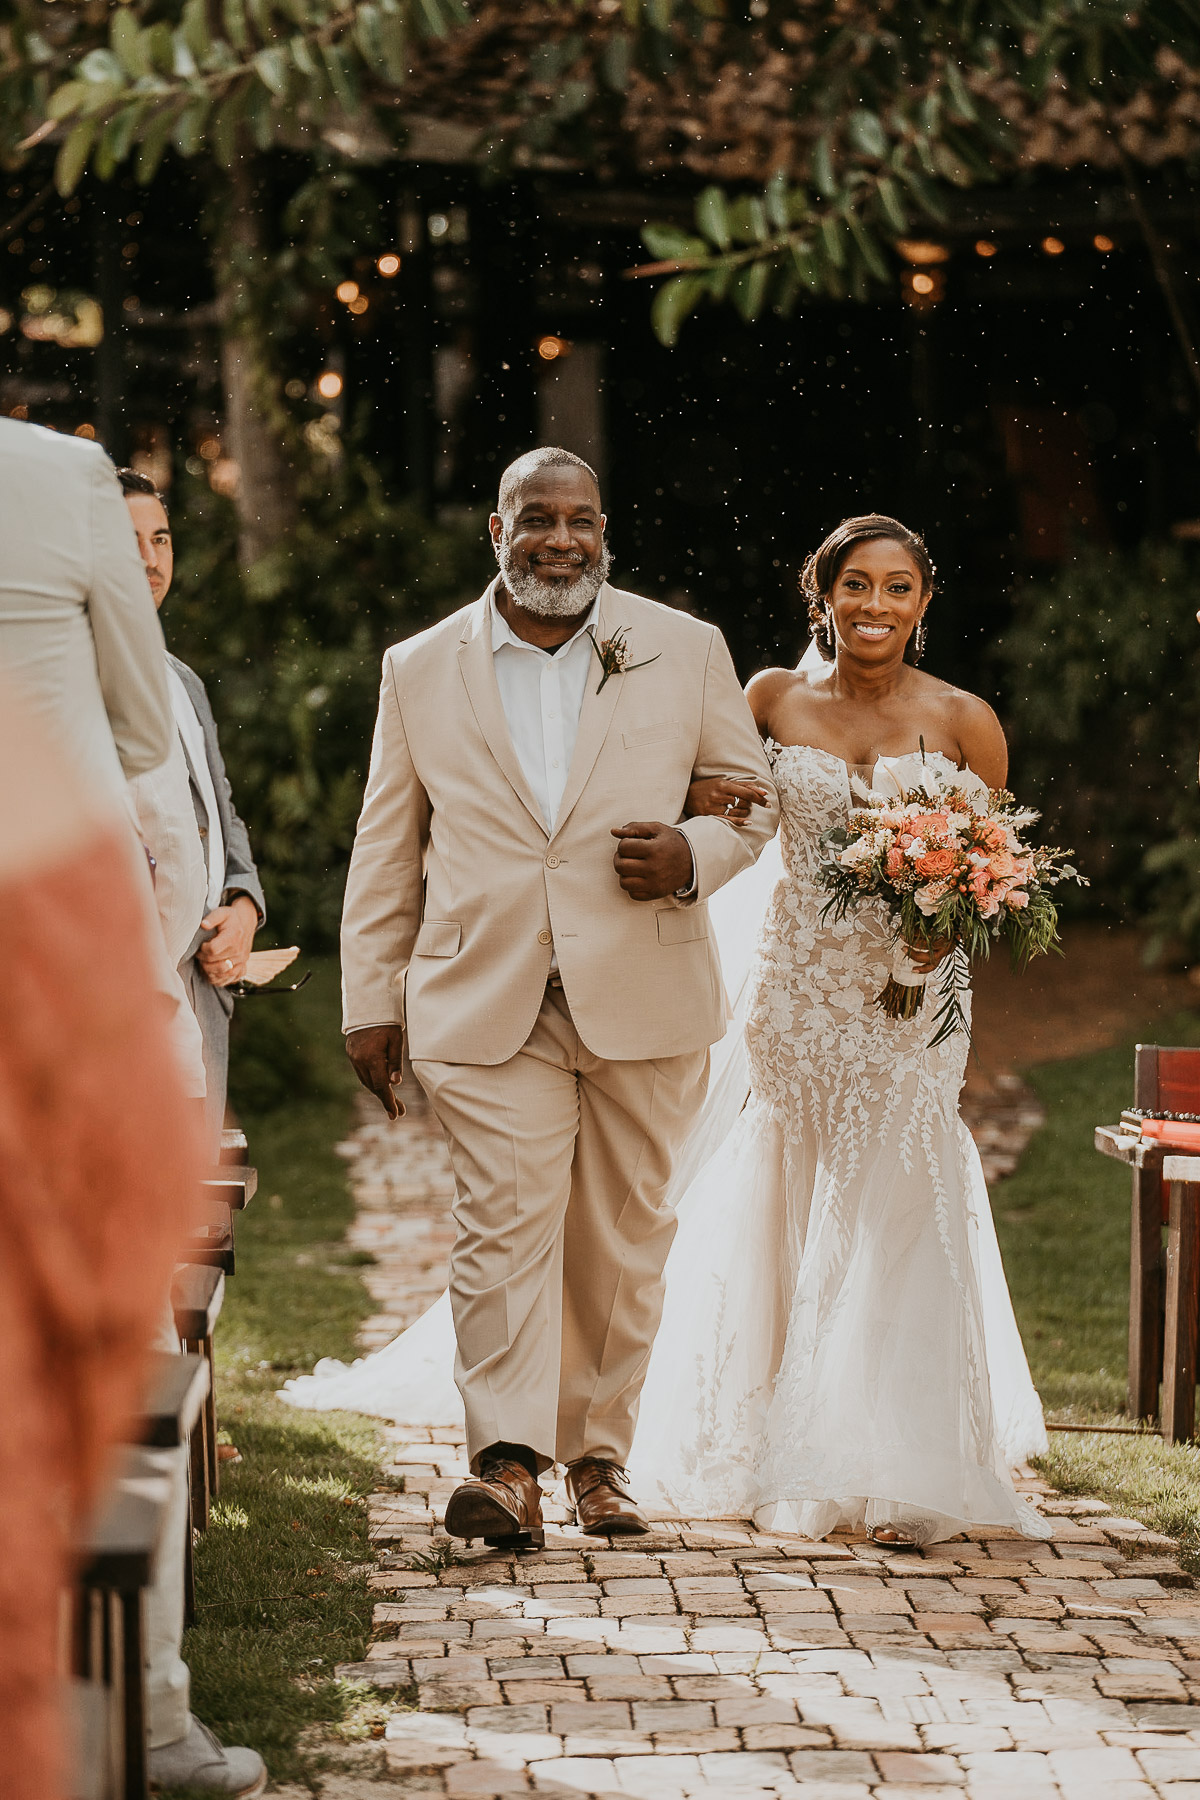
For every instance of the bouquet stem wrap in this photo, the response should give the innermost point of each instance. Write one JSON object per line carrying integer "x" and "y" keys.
{"x": 903, "y": 992}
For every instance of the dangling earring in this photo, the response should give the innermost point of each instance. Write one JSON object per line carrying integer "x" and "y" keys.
{"x": 919, "y": 639}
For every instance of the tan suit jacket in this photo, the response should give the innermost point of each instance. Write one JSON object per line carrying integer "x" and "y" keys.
{"x": 457, "y": 891}
{"x": 78, "y": 631}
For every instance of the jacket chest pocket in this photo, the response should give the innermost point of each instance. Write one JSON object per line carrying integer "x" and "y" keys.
{"x": 438, "y": 937}
{"x": 661, "y": 733}
{"x": 682, "y": 924}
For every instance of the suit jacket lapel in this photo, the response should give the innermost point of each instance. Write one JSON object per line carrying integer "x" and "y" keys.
{"x": 596, "y": 715}
{"x": 479, "y": 675}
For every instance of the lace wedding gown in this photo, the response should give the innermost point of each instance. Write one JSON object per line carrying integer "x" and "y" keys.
{"x": 837, "y": 1346}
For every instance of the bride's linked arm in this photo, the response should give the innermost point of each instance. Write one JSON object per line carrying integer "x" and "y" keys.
{"x": 729, "y": 748}
{"x": 382, "y": 912}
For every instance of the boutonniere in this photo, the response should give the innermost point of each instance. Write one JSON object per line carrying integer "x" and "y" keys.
{"x": 614, "y": 654}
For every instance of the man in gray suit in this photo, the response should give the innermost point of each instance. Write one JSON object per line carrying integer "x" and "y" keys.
{"x": 236, "y": 907}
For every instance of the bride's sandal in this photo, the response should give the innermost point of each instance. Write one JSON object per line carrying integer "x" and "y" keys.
{"x": 892, "y": 1537}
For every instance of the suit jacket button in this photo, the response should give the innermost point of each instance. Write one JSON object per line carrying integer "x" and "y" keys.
{"x": 552, "y": 862}
{"x": 545, "y": 937}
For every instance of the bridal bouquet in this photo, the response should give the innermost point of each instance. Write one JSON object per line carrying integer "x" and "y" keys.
{"x": 954, "y": 866}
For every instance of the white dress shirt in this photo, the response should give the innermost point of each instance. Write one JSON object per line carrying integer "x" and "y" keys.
{"x": 542, "y": 696}
{"x": 190, "y": 730}
{"x": 542, "y": 693}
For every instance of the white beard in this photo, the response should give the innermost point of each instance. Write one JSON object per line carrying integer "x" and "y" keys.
{"x": 553, "y": 599}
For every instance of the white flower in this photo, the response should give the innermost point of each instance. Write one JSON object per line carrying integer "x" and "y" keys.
{"x": 930, "y": 897}
{"x": 915, "y": 849}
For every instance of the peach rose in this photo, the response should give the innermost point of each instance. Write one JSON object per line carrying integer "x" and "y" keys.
{"x": 935, "y": 865}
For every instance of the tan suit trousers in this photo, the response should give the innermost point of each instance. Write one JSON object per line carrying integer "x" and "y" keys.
{"x": 562, "y": 1161}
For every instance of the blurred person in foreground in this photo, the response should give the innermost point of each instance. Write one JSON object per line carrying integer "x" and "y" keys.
{"x": 234, "y": 905}
{"x": 99, "y": 1160}
{"x": 80, "y": 635}
{"x": 80, "y": 642}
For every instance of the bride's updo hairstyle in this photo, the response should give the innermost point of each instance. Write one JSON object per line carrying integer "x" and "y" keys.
{"x": 826, "y": 564}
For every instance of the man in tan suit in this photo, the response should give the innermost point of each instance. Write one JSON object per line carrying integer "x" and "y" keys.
{"x": 559, "y": 992}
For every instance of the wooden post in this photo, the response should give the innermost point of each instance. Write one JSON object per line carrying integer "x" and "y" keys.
{"x": 1145, "y": 1294}
{"x": 1183, "y": 1300}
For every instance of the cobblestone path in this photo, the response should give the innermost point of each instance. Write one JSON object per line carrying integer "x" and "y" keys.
{"x": 713, "y": 1659}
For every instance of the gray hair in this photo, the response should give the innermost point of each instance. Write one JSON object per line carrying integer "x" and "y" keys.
{"x": 547, "y": 457}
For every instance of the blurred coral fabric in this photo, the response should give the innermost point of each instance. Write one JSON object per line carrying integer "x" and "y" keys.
{"x": 99, "y": 1163}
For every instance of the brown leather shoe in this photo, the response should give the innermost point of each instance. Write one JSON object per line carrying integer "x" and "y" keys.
{"x": 502, "y": 1505}
{"x": 595, "y": 1490}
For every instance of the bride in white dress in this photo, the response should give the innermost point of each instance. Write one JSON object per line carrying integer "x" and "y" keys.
{"x": 837, "y": 1347}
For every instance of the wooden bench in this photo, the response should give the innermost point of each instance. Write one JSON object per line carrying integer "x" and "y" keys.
{"x": 172, "y": 1418}
{"x": 235, "y": 1184}
{"x": 1166, "y": 1078}
{"x": 116, "y": 1564}
{"x": 197, "y": 1296}
{"x": 234, "y": 1148}
{"x": 1182, "y": 1311}
{"x": 212, "y": 1242}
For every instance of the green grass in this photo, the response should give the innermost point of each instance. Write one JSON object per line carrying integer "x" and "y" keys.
{"x": 281, "y": 1593}
{"x": 1063, "y": 1224}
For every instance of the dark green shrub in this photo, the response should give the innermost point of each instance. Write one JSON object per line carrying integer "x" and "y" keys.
{"x": 291, "y": 655}
{"x": 1102, "y": 671}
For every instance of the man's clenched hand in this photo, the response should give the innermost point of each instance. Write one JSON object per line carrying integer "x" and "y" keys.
{"x": 222, "y": 957}
{"x": 377, "y": 1052}
{"x": 652, "y": 860}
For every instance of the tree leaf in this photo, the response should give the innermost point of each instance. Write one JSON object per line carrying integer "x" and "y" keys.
{"x": 868, "y": 249}
{"x": 272, "y": 67}
{"x": 342, "y": 76}
{"x": 866, "y": 132}
{"x": 833, "y": 238}
{"x": 223, "y": 132}
{"x": 923, "y": 192}
{"x": 749, "y": 289}
{"x": 188, "y": 134}
{"x": 234, "y": 14}
{"x": 116, "y": 140}
{"x": 673, "y": 302}
{"x": 951, "y": 166}
{"x": 155, "y": 136}
{"x": 303, "y": 57}
{"x": 126, "y": 41}
{"x": 193, "y": 27}
{"x": 748, "y": 220}
{"x": 822, "y": 167}
{"x": 712, "y": 217}
{"x": 66, "y": 99}
{"x": 394, "y": 46}
{"x": 775, "y": 201}
{"x": 670, "y": 241}
{"x": 891, "y": 204}
{"x": 72, "y": 157}
{"x": 808, "y": 267}
{"x": 964, "y": 105}
{"x": 102, "y": 66}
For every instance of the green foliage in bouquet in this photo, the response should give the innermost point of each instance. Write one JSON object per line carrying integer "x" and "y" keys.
{"x": 1102, "y": 670}
{"x": 290, "y": 654}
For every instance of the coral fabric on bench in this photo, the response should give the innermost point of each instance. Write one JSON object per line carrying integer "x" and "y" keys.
{"x": 1168, "y": 1132}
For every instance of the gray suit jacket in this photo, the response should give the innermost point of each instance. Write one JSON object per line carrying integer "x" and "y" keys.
{"x": 241, "y": 876}
{"x": 213, "y": 1006}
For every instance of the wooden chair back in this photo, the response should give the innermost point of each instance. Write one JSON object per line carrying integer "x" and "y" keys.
{"x": 1166, "y": 1077}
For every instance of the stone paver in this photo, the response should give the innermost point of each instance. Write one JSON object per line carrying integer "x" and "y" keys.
{"x": 712, "y": 1659}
